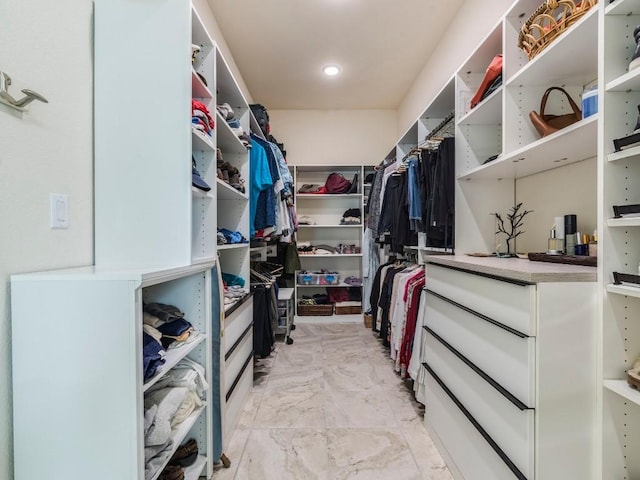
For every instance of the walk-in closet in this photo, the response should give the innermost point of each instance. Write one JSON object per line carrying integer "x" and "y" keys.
{"x": 320, "y": 240}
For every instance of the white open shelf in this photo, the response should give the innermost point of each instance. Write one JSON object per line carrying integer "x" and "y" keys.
{"x": 630, "y": 81}
{"x": 193, "y": 472}
{"x": 227, "y": 192}
{"x": 227, "y": 140}
{"x": 200, "y": 142}
{"x": 330, "y": 226}
{"x": 487, "y": 112}
{"x": 198, "y": 88}
{"x": 232, "y": 246}
{"x": 624, "y": 290}
{"x": 623, "y": 7}
{"x": 172, "y": 358}
{"x": 196, "y": 192}
{"x": 571, "y": 58}
{"x": 622, "y": 154}
{"x": 355, "y": 318}
{"x": 624, "y": 222}
{"x": 178, "y": 435}
{"x": 544, "y": 154}
{"x": 328, "y": 286}
{"x": 622, "y": 388}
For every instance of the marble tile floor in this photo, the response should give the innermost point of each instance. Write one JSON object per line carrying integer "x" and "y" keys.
{"x": 330, "y": 407}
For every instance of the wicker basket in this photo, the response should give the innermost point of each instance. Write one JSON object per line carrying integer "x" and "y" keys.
{"x": 549, "y": 21}
{"x": 315, "y": 310}
{"x": 348, "y": 309}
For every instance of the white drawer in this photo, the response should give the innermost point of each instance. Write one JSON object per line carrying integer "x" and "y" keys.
{"x": 508, "y": 425}
{"x": 236, "y": 402}
{"x": 465, "y": 445}
{"x": 236, "y": 361}
{"x": 237, "y": 323}
{"x": 504, "y": 356}
{"x": 511, "y": 304}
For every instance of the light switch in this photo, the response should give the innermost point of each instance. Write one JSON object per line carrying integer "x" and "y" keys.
{"x": 59, "y": 210}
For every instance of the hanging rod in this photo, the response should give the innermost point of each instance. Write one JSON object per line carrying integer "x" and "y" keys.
{"x": 441, "y": 125}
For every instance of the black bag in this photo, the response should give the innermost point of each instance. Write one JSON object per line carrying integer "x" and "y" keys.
{"x": 262, "y": 116}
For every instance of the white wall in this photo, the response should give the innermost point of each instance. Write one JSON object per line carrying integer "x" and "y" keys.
{"x": 333, "y": 137}
{"x": 46, "y": 47}
{"x": 475, "y": 19}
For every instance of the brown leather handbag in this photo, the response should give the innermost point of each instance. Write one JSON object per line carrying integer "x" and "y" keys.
{"x": 547, "y": 124}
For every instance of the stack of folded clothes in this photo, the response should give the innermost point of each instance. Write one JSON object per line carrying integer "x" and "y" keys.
{"x": 229, "y": 236}
{"x": 351, "y": 217}
{"x": 233, "y": 294}
{"x": 167, "y": 404}
{"x": 229, "y": 116}
{"x": 167, "y": 325}
{"x": 201, "y": 119}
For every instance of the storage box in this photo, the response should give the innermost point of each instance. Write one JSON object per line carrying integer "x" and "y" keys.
{"x": 348, "y": 308}
{"x": 315, "y": 310}
{"x": 590, "y": 102}
{"x": 318, "y": 278}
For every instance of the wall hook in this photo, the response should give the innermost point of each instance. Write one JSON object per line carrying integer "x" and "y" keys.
{"x": 7, "y": 98}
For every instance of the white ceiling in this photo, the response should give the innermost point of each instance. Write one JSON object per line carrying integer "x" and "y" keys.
{"x": 280, "y": 47}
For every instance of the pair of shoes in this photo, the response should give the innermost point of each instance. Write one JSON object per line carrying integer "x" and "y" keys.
{"x": 185, "y": 455}
{"x": 172, "y": 472}
{"x": 226, "y": 111}
{"x": 236, "y": 182}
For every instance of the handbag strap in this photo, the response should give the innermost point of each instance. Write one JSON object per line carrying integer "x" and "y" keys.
{"x": 543, "y": 103}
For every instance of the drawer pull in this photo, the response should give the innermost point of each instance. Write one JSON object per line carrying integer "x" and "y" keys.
{"x": 477, "y": 314}
{"x": 235, "y": 382}
{"x": 503, "y": 456}
{"x": 508, "y": 395}
{"x": 238, "y": 342}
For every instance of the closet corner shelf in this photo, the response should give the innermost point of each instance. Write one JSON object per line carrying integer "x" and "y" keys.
{"x": 227, "y": 192}
{"x": 543, "y": 154}
{"x": 578, "y": 43}
{"x": 178, "y": 435}
{"x": 487, "y": 112}
{"x": 624, "y": 222}
{"x": 622, "y": 388}
{"x": 198, "y": 88}
{"x": 232, "y": 246}
{"x": 623, "y": 154}
{"x": 201, "y": 142}
{"x": 196, "y": 192}
{"x": 172, "y": 358}
{"x": 227, "y": 140}
{"x": 622, "y": 7}
{"x": 329, "y": 195}
{"x": 624, "y": 290}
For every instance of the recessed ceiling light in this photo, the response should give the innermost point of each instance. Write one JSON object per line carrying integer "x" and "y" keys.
{"x": 331, "y": 70}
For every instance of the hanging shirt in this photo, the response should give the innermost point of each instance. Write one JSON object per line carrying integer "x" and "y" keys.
{"x": 260, "y": 179}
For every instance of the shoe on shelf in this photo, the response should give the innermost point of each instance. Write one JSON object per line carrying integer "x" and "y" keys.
{"x": 172, "y": 472}
{"x": 186, "y": 454}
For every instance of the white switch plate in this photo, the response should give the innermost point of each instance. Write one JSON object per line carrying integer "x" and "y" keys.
{"x": 59, "y": 210}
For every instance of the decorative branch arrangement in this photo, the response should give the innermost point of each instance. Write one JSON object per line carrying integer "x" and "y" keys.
{"x": 515, "y": 218}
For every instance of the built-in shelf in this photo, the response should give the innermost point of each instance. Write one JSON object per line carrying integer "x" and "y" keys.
{"x": 331, "y": 255}
{"x": 328, "y": 286}
{"x": 173, "y": 357}
{"x": 232, "y": 246}
{"x": 201, "y": 142}
{"x": 487, "y": 112}
{"x": 201, "y": 193}
{"x": 623, "y": 7}
{"x": 325, "y": 196}
{"x": 193, "y": 472}
{"x": 359, "y": 225}
{"x": 630, "y": 81}
{"x": 578, "y": 141}
{"x": 624, "y": 290}
{"x": 626, "y": 153}
{"x": 228, "y": 141}
{"x": 561, "y": 63}
{"x": 227, "y": 192}
{"x": 198, "y": 88}
{"x": 179, "y": 434}
{"x": 622, "y": 388}
{"x": 624, "y": 222}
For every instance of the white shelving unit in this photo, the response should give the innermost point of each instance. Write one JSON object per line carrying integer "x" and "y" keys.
{"x": 95, "y": 404}
{"x": 327, "y": 210}
{"x": 619, "y": 240}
